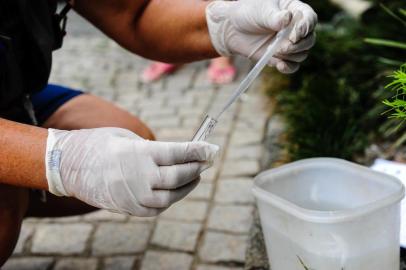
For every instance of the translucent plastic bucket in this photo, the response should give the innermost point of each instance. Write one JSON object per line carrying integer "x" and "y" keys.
{"x": 329, "y": 214}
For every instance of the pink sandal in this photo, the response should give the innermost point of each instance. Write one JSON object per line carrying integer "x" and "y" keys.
{"x": 221, "y": 74}
{"x": 156, "y": 71}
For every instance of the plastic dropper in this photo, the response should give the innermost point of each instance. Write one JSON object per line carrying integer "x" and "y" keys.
{"x": 210, "y": 122}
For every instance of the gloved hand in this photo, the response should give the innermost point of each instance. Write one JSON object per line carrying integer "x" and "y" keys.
{"x": 248, "y": 27}
{"x": 114, "y": 169}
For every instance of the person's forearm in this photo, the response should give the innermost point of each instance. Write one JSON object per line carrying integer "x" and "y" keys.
{"x": 22, "y": 153}
{"x": 179, "y": 28}
{"x": 165, "y": 30}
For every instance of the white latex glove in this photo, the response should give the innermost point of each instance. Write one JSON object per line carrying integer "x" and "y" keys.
{"x": 114, "y": 169}
{"x": 248, "y": 27}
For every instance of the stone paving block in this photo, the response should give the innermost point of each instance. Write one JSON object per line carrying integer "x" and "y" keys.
{"x": 162, "y": 112}
{"x": 28, "y": 263}
{"x": 142, "y": 219}
{"x": 192, "y": 112}
{"x": 171, "y": 94}
{"x": 116, "y": 238}
{"x": 174, "y": 134}
{"x": 201, "y": 81}
{"x": 209, "y": 175}
{"x": 125, "y": 89}
{"x": 104, "y": 215}
{"x": 220, "y": 247}
{"x": 187, "y": 211}
{"x": 176, "y": 235}
{"x": 181, "y": 102}
{"x": 246, "y": 138}
{"x": 76, "y": 264}
{"x": 234, "y": 191}
{"x": 155, "y": 86}
{"x": 192, "y": 122}
{"x": 150, "y": 104}
{"x": 240, "y": 168}
{"x": 203, "y": 191}
{"x": 255, "y": 104}
{"x": 61, "y": 238}
{"x": 258, "y": 128}
{"x": 231, "y": 218}
{"x": 249, "y": 117}
{"x": 219, "y": 140}
{"x": 119, "y": 263}
{"x": 70, "y": 219}
{"x": 181, "y": 80}
{"x": 221, "y": 130}
{"x": 214, "y": 267}
{"x": 157, "y": 260}
{"x": 165, "y": 122}
{"x": 126, "y": 81}
{"x": 253, "y": 152}
{"x": 26, "y": 232}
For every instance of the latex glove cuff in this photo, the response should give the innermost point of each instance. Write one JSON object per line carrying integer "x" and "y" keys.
{"x": 52, "y": 164}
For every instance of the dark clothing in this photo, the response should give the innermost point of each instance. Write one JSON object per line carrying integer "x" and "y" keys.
{"x": 47, "y": 101}
{"x": 29, "y": 32}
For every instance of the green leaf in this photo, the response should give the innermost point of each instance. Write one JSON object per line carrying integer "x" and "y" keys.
{"x": 402, "y": 11}
{"x": 397, "y": 104}
{"x": 389, "y": 62}
{"x": 385, "y": 42}
{"x": 392, "y": 14}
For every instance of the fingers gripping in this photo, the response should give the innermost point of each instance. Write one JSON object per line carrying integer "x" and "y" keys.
{"x": 164, "y": 198}
{"x": 275, "y": 20}
{"x": 170, "y": 153}
{"x": 176, "y": 176}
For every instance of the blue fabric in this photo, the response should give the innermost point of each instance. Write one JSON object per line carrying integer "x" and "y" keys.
{"x": 47, "y": 101}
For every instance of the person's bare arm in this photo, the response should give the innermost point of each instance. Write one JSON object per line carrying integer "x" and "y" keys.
{"x": 166, "y": 30}
{"x": 22, "y": 154}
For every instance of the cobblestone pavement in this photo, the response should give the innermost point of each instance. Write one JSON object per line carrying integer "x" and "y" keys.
{"x": 206, "y": 231}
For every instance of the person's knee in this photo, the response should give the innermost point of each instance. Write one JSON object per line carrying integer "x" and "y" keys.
{"x": 88, "y": 111}
{"x": 13, "y": 205}
{"x": 139, "y": 128}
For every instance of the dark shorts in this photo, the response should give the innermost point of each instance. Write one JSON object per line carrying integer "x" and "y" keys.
{"x": 50, "y": 99}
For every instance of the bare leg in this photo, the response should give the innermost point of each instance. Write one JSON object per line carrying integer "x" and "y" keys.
{"x": 88, "y": 111}
{"x": 84, "y": 111}
{"x": 13, "y": 205}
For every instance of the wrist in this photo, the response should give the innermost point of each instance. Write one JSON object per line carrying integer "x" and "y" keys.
{"x": 53, "y": 157}
{"x": 217, "y": 24}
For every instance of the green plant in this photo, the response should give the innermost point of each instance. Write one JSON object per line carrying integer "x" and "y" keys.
{"x": 397, "y": 104}
{"x": 385, "y": 24}
{"x": 330, "y": 104}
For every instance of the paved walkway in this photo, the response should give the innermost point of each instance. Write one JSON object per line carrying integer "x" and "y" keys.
{"x": 206, "y": 231}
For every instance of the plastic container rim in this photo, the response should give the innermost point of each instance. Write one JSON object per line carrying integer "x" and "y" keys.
{"x": 316, "y": 216}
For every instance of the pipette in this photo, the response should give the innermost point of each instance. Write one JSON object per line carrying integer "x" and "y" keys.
{"x": 210, "y": 122}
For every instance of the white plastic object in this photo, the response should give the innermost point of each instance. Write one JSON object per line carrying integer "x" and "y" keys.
{"x": 398, "y": 170}
{"x": 329, "y": 214}
{"x": 209, "y": 122}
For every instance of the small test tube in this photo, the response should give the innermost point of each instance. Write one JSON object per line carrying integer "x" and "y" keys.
{"x": 205, "y": 129}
